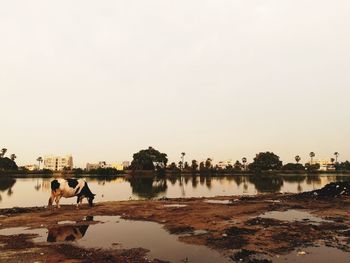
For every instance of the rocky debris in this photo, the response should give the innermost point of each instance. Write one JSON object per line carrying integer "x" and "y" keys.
{"x": 177, "y": 230}
{"x": 235, "y": 231}
{"x": 265, "y": 222}
{"x": 248, "y": 256}
{"x": 19, "y": 210}
{"x": 227, "y": 242}
{"x": 331, "y": 190}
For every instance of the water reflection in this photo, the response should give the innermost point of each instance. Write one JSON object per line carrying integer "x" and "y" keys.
{"x": 67, "y": 232}
{"x": 6, "y": 184}
{"x": 35, "y": 191}
{"x": 266, "y": 184}
{"x": 148, "y": 187}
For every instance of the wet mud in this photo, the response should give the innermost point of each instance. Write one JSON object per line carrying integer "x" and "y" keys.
{"x": 237, "y": 229}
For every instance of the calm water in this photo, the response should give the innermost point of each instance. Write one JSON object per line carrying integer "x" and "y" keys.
{"x": 24, "y": 192}
{"x": 119, "y": 233}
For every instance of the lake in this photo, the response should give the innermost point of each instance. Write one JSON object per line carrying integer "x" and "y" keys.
{"x": 27, "y": 192}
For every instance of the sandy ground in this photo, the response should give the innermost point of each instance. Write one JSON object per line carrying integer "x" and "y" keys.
{"x": 230, "y": 227}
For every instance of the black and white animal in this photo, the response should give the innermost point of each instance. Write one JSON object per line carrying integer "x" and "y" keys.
{"x": 70, "y": 188}
{"x": 67, "y": 233}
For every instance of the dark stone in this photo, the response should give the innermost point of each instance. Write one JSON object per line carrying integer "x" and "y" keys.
{"x": 235, "y": 231}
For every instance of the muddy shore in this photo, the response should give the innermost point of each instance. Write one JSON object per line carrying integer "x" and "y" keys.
{"x": 233, "y": 226}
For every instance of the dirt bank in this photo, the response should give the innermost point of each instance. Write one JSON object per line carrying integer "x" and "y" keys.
{"x": 233, "y": 226}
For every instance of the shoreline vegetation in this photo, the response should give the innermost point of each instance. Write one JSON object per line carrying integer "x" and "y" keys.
{"x": 151, "y": 162}
{"x": 142, "y": 173}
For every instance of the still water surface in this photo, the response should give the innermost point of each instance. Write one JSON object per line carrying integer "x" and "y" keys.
{"x": 25, "y": 192}
{"x": 114, "y": 232}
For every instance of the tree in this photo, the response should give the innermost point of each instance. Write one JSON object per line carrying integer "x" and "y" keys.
{"x": 149, "y": 159}
{"x": 244, "y": 161}
{"x": 172, "y": 166}
{"x": 336, "y": 154}
{"x": 186, "y": 166}
{"x": 293, "y": 167}
{"x": 312, "y": 155}
{"x": 265, "y": 161}
{"x": 237, "y": 166}
{"x": 297, "y": 158}
{"x": 7, "y": 164}
{"x": 344, "y": 166}
{"x": 201, "y": 166}
{"x": 332, "y": 160}
{"x": 3, "y": 152}
{"x": 13, "y": 157}
{"x": 312, "y": 167}
{"x": 194, "y": 166}
{"x": 182, "y": 160}
{"x": 208, "y": 163}
{"x": 39, "y": 160}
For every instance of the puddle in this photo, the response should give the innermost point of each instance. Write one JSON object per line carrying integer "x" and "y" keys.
{"x": 293, "y": 215}
{"x": 200, "y": 232}
{"x": 320, "y": 254}
{"x": 127, "y": 234}
{"x": 66, "y": 222}
{"x": 175, "y": 205}
{"x": 223, "y": 202}
{"x": 41, "y": 232}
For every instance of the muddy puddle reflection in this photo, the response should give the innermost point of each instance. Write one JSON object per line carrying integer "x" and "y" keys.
{"x": 320, "y": 254}
{"x": 114, "y": 232}
{"x": 292, "y": 215}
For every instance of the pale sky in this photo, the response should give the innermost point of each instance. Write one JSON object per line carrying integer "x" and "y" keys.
{"x": 219, "y": 78}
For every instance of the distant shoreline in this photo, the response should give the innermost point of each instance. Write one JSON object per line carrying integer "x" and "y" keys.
{"x": 128, "y": 173}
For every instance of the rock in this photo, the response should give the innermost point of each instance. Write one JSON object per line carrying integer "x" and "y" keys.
{"x": 331, "y": 190}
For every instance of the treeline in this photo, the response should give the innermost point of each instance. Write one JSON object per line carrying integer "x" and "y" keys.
{"x": 7, "y": 163}
{"x": 152, "y": 159}
{"x": 99, "y": 171}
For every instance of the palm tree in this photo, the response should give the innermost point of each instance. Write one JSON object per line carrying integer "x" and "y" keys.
{"x": 182, "y": 159}
{"x": 297, "y": 158}
{"x": 312, "y": 155}
{"x": 3, "y": 151}
{"x": 40, "y": 160}
{"x": 244, "y": 161}
{"x": 13, "y": 157}
{"x": 336, "y": 154}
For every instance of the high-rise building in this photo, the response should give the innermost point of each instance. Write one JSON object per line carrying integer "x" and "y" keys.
{"x": 58, "y": 163}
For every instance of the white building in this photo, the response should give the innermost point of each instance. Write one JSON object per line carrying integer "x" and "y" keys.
{"x": 94, "y": 166}
{"x": 325, "y": 165}
{"x": 103, "y": 165}
{"x": 125, "y": 164}
{"x": 58, "y": 163}
{"x": 224, "y": 164}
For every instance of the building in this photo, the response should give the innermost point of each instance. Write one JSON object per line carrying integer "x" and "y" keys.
{"x": 117, "y": 166}
{"x": 58, "y": 163}
{"x": 31, "y": 167}
{"x": 94, "y": 166}
{"x": 104, "y": 165}
{"x": 126, "y": 164}
{"x": 224, "y": 164}
{"x": 325, "y": 165}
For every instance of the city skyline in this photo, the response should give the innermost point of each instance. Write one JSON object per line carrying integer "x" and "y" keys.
{"x": 220, "y": 79}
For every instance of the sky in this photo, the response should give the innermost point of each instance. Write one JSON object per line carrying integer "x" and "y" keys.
{"x": 212, "y": 78}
